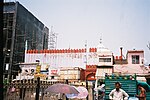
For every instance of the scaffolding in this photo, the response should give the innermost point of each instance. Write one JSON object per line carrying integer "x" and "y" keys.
{"x": 9, "y": 35}
{"x": 20, "y": 26}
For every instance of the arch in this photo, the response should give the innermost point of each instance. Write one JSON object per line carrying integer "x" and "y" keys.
{"x": 90, "y": 76}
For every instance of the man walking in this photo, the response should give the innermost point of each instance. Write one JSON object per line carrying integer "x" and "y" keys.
{"x": 118, "y": 93}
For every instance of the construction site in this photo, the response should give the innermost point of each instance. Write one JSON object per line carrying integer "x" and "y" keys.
{"x": 21, "y": 27}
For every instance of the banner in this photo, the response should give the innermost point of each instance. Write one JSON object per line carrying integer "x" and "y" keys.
{"x": 38, "y": 68}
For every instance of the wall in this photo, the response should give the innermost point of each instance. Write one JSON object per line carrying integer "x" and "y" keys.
{"x": 72, "y": 74}
{"x": 135, "y": 52}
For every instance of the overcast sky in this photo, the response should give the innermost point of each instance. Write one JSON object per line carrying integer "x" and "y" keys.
{"x": 123, "y": 23}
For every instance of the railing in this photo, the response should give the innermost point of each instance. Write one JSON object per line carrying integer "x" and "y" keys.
{"x": 26, "y": 90}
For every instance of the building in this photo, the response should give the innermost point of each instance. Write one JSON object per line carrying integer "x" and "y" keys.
{"x": 94, "y": 62}
{"x": 133, "y": 64}
{"x": 135, "y": 57}
{"x": 108, "y": 63}
{"x": 21, "y": 28}
{"x": 45, "y": 72}
{"x": 57, "y": 57}
{"x": 70, "y": 74}
{"x": 105, "y": 61}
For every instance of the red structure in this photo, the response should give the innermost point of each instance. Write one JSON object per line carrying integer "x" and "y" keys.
{"x": 82, "y": 74}
{"x": 90, "y": 72}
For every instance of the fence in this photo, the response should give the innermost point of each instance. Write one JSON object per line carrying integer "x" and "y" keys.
{"x": 26, "y": 90}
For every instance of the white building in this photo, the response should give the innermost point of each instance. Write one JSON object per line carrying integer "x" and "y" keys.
{"x": 105, "y": 61}
{"x": 61, "y": 59}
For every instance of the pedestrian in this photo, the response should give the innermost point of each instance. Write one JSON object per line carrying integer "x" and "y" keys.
{"x": 60, "y": 96}
{"x": 142, "y": 94}
{"x": 118, "y": 93}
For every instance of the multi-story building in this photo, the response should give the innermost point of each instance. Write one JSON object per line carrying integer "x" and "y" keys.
{"x": 105, "y": 61}
{"x": 21, "y": 28}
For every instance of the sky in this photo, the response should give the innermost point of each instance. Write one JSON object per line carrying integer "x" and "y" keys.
{"x": 120, "y": 23}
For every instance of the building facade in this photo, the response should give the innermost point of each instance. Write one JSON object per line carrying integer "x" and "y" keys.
{"x": 70, "y": 74}
{"x": 99, "y": 61}
{"x": 134, "y": 63}
{"x": 105, "y": 61}
{"x": 20, "y": 28}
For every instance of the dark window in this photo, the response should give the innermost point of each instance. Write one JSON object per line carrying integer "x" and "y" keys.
{"x": 9, "y": 33}
{"x": 5, "y": 24}
{"x": 10, "y": 23}
{"x": 52, "y": 77}
{"x": 9, "y": 44}
{"x": 7, "y": 59}
{"x": 135, "y": 59}
{"x": 104, "y": 59}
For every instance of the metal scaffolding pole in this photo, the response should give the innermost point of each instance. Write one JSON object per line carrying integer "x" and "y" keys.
{"x": 12, "y": 44}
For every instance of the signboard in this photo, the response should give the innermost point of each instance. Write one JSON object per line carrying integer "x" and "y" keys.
{"x": 54, "y": 71}
{"x": 38, "y": 68}
{"x": 42, "y": 76}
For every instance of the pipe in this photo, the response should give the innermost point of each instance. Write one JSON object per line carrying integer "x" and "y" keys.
{"x": 121, "y": 52}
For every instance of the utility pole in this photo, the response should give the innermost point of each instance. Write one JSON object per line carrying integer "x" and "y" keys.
{"x": 86, "y": 52}
{"x": 85, "y": 66}
{"x": 37, "y": 89}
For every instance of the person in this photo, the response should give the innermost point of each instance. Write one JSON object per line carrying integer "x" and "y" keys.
{"x": 59, "y": 96}
{"x": 101, "y": 92}
{"x": 142, "y": 94}
{"x": 118, "y": 93}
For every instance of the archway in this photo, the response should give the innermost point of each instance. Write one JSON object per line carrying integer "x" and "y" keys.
{"x": 90, "y": 76}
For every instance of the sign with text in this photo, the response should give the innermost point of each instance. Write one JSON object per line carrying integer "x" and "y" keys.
{"x": 54, "y": 71}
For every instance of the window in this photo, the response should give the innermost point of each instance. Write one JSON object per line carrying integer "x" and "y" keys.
{"x": 135, "y": 59}
{"x": 7, "y": 59}
{"x": 104, "y": 59}
{"x": 52, "y": 77}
